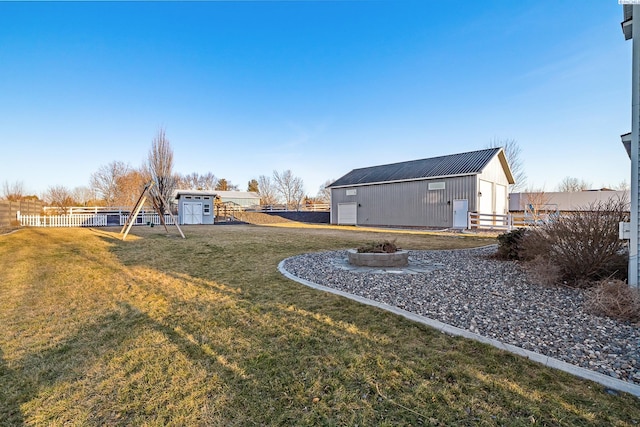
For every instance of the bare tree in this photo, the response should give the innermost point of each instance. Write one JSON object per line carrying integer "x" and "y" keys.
{"x": 324, "y": 193}
{"x": 573, "y": 185}
{"x": 160, "y": 169}
{"x": 82, "y": 196}
{"x": 513, "y": 152}
{"x": 13, "y": 191}
{"x": 290, "y": 187}
{"x": 536, "y": 205}
{"x": 267, "y": 191}
{"x": 60, "y": 197}
{"x": 195, "y": 181}
{"x": 622, "y": 186}
{"x": 104, "y": 182}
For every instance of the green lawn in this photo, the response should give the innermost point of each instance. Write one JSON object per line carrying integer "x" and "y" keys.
{"x": 157, "y": 330}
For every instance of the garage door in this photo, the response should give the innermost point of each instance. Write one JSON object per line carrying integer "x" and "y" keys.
{"x": 347, "y": 213}
{"x": 192, "y": 213}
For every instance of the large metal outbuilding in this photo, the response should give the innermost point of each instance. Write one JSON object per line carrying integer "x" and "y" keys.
{"x": 435, "y": 192}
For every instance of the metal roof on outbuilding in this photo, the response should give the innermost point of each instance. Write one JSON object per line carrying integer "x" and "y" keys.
{"x": 470, "y": 163}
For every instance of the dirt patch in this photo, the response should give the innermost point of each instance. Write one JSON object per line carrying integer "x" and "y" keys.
{"x": 260, "y": 218}
{"x": 8, "y": 229}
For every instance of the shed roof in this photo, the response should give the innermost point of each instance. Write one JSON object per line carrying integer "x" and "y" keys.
{"x": 223, "y": 194}
{"x": 179, "y": 193}
{"x": 471, "y": 163}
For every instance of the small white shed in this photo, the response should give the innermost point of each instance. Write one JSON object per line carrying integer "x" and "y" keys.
{"x": 195, "y": 206}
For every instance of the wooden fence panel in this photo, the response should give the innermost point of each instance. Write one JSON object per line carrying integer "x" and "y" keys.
{"x": 9, "y": 210}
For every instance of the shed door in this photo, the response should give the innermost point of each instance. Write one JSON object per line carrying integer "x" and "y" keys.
{"x": 192, "y": 213}
{"x": 347, "y": 213}
{"x": 460, "y": 213}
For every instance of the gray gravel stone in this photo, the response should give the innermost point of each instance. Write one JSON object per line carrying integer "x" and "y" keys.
{"x": 470, "y": 290}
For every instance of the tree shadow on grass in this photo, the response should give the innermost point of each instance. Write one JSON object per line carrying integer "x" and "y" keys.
{"x": 11, "y": 391}
{"x": 65, "y": 361}
{"x": 286, "y": 343}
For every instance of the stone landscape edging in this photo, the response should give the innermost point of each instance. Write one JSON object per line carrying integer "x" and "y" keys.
{"x": 604, "y": 380}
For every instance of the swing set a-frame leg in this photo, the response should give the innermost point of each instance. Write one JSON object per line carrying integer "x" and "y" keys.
{"x": 140, "y": 204}
{"x": 173, "y": 218}
{"x": 133, "y": 216}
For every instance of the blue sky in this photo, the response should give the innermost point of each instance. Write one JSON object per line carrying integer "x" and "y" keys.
{"x": 243, "y": 88}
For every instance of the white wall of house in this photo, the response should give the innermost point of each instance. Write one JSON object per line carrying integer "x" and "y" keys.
{"x": 564, "y": 201}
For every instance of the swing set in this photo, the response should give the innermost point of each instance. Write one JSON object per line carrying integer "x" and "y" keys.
{"x": 150, "y": 191}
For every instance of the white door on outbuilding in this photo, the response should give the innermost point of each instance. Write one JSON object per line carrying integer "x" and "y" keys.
{"x": 501, "y": 199}
{"x": 485, "y": 202}
{"x": 192, "y": 213}
{"x": 347, "y": 213}
{"x": 460, "y": 213}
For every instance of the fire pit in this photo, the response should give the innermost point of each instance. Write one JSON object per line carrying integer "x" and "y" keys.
{"x": 399, "y": 258}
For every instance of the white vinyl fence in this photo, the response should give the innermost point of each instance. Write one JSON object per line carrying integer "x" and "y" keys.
{"x": 147, "y": 219}
{"x": 76, "y": 220}
{"x": 87, "y": 220}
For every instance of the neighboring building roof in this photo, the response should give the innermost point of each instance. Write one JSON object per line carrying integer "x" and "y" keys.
{"x": 626, "y": 141}
{"x": 238, "y": 195}
{"x": 471, "y": 163}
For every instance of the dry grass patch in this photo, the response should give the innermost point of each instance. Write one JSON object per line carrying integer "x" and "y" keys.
{"x": 614, "y": 298}
{"x": 158, "y": 330}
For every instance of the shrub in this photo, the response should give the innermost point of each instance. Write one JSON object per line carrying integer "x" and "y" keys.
{"x": 614, "y": 298}
{"x": 584, "y": 245}
{"x": 509, "y": 244}
{"x": 379, "y": 247}
{"x": 543, "y": 271}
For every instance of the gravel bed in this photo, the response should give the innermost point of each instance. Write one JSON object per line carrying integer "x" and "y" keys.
{"x": 470, "y": 290}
